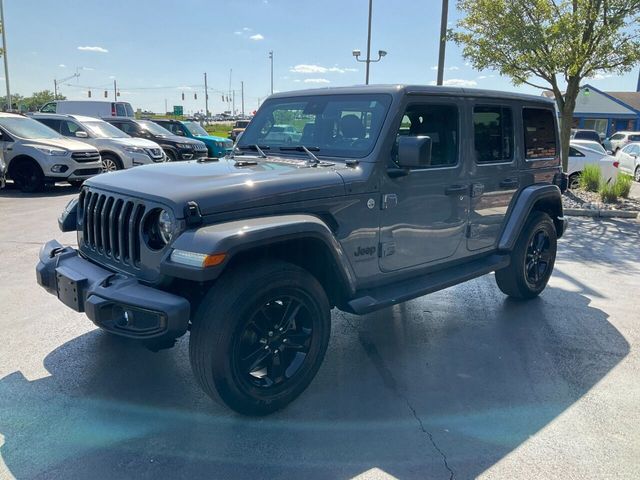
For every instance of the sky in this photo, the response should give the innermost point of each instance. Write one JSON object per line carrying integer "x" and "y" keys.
{"x": 157, "y": 50}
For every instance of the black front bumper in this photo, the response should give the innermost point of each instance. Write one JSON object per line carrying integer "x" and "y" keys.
{"x": 114, "y": 302}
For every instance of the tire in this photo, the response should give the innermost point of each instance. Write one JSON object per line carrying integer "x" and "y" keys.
{"x": 239, "y": 355}
{"x": 111, "y": 163}
{"x": 636, "y": 174}
{"x": 172, "y": 156}
{"x": 28, "y": 176}
{"x": 574, "y": 181}
{"x": 532, "y": 259}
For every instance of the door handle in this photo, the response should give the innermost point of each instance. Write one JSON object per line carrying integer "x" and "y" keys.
{"x": 509, "y": 183}
{"x": 456, "y": 189}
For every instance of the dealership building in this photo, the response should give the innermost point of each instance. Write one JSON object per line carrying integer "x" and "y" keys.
{"x": 607, "y": 112}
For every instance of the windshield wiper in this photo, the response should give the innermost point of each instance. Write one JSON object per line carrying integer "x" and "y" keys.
{"x": 257, "y": 148}
{"x": 313, "y": 160}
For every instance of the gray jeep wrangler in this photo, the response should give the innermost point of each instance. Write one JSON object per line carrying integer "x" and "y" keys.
{"x": 390, "y": 193}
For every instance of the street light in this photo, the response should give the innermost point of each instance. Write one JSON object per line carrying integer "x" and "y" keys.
{"x": 368, "y": 61}
{"x": 271, "y": 59}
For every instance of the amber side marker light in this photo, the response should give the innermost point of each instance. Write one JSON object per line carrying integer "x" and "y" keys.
{"x": 193, "y": 259}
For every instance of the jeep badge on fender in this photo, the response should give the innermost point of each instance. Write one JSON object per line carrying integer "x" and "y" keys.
{"x": 251, "y": 253}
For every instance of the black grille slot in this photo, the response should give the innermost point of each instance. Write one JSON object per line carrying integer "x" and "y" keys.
{"x": 111, "y": 226}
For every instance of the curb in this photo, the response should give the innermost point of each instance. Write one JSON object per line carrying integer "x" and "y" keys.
{"x": 583, "y": 212}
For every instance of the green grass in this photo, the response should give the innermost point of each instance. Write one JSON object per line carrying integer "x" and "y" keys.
{"x": 608, "y": 193}
{"x": 591, "y": 178}
{"x": 622, "y": 185}
{"x": 219, "y": 129}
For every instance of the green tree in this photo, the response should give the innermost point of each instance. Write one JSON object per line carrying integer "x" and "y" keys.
{"x": 38, "y": 99}
{"x": 551, "y": 44}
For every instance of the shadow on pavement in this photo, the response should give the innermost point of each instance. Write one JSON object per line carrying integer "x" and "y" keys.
{"x": 420, "y": 390}
{"x": 57, "y": 190}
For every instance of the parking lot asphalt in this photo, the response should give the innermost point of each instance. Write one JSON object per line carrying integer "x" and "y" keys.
{"x": 460, "y": 384}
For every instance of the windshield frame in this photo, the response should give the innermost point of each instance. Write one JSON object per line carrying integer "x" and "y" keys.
{"x": 322, "y": 101}
{"x": 51, "y": 133}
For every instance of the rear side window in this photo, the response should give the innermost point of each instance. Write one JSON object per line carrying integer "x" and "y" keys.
{"x": 575, "y": 153}
{"x": 440, "y": 123}
{"x": 49, "y": 108}
{"x": 617, "y": 136}
{"x": 634, "y": 138}
{"x": 51, "y": 123}
{"x": 540, "y": 138}
{"x": 493, "y": 133}
{"x": 120, "y": 110}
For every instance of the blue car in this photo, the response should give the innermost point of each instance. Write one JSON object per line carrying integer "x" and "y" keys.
{"x": 216, "y": 146}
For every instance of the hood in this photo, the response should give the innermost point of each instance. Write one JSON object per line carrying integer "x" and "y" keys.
{"x": 223, "y": 185}
{"x": 212, "y": 138}
{"x": 133, "y": 142}
{"x": 66, "y": 143}
{"x": 177, "y": 139}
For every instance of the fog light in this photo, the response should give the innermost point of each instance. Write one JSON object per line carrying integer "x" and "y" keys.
{"x": 59, "y": 168}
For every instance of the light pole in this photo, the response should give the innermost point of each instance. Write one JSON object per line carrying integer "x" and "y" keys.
{"x": 368, "y": 61}
{"x": 443, "y": 40}
{"x": 4, "y": 54}
{"x": 271, "y": 58}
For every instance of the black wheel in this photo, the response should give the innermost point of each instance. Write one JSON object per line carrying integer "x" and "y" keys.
{"x": 574, "y": 181}
{"x": 110, "y": 163}
{"x": 259, "y": 336}
{"x": 532, "y": 259}
{"x": 28, "y": 176}
{"x": 172, "y": 156}
{"x": 636, "y": 174}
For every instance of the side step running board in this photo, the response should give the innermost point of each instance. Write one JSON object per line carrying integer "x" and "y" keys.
{"x": 385, "y": 296}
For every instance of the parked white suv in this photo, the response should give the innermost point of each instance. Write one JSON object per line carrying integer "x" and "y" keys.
{"x": 629, "y": 158}
{"x": 619, "y": 140}
{"x": 117, "y": 149}
{"x": 35, "y": 154}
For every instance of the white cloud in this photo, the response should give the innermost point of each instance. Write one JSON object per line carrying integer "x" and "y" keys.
{"x": 62, "y": 65}
{"x": 88, "y": 69}
{"x": 316, "y": 80}
{"x": 306, "y": 68}
{"x": 94, "y": 49}
{"x": 459, "y": 82}
{"x": 246, "y": 29}
{"x": 451, "y": 69}
{"x": 297, "y": 80}
{"x": 600, "y": 76}
{"x": 184, "y": 88}
{"x": 482, "y": 77}
{"x": 237, "y": 33}
{"x": 257, "y": 36}
{"x": 112, "y": 77}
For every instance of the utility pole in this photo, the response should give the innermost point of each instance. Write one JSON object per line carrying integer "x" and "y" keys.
{"x": 165, "y": 106}
{"x": 271, "y": 58}
{"x": 115, "y": 91}
{"x": 55, "y": 89}
{"x": 242, "y": 95}
{"x": 229, "y": 96}
{"x": 366, "y": 82}
{"x": 233, "y": 102}
{"x": 4, "y": 55}
{"x": 206, "y": 97}
{"x": 443, "y": 41}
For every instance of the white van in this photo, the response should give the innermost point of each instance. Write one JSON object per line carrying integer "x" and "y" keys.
{"x": 89, "y": 108}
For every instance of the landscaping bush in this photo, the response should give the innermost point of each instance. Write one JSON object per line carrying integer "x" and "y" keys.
{"x": 590, "y": 178}
{"x": 608, "y": 192}
{"x": 622, "y": 185}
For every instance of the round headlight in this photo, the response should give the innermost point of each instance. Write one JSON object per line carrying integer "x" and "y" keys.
{"x": 166, "y": 225}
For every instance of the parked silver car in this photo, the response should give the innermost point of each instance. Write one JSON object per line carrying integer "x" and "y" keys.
{"x": 36, "y": 155}
{"x": 117, "y": 149}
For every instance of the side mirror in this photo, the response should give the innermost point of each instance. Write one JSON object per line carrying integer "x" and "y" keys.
{"x": 609, "y": 152}
{"x": 81, "y": 134}
{"x": 180, "y": 133}
{"x": 414, "y": 152}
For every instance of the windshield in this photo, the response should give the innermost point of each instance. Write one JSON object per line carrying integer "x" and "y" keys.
{"x": 195, "y": 128}
{"x": 336, "y": 125}
{"x": 104, "y": 130}
{"x": 595, "y": 146}
{"x": 154, "y": 128}
{"x": 28, "y": 128}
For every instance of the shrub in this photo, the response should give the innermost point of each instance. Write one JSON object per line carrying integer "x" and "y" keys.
{"x": 590, "y": 178}
{"x": 622, "y": 185}
{"x": 608, "y": 192}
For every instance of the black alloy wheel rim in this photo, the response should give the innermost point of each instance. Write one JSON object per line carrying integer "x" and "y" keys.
{"x": 538, "y": 258}
{"x": 274, "y": 343}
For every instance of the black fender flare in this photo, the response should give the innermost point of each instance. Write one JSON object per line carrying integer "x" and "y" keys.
{"x": 530, "y": 198}
{"x": 238, "y": 236}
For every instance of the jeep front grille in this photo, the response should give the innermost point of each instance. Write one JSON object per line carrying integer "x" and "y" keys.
{"x": 111, "y": 226}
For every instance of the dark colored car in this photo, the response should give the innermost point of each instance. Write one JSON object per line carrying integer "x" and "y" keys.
{"x": 389, "y": 193}
{"x": 580, "y": 134}
{"x": 216, "y": 146}
{"x": 177, "y": 148}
